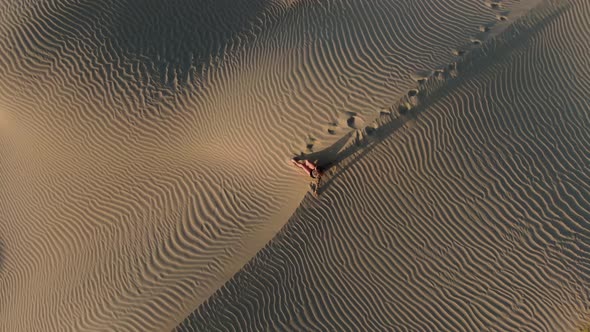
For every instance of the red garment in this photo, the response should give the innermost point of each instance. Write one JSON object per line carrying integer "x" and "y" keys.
{"x": 308, "y": 167}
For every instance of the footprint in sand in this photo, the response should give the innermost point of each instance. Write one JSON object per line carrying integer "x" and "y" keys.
{"x": 439, "y": 74}
{"x": 355, "y": 122}
{"x": 385, "y": 111}
{"x": 405, "y": 108}
{"x": 309, "y": 142}
{"x": 452, "y": 67}
{"x": 370, "y": 130}
{"x": 422, "y": 76}
{"x": 484, "y": 28}
{"x": 494, "y": 4}
{"x": 332, "y": 126}
{"x": 458, "y": 52}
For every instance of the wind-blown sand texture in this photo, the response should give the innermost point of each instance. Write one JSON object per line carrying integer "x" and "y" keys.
{"x": 144, "y": 150}
{"x": 479, "y": 220}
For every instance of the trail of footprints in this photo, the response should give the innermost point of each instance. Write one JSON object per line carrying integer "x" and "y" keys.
{"x": 409, "y": 102}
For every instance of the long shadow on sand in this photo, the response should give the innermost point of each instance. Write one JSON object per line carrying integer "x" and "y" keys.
{"x": 352, "y": 147}
{"x": 338, "y": 158}
{"x": 284, "y": 259}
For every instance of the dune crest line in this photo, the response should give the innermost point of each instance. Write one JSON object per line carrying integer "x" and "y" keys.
{"x": 144, "y": 145}
{"x": 479, "y": 220}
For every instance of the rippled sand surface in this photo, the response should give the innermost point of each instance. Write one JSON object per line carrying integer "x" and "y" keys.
{"x": 469, "y": 213}
{"x": 144, "y": 165}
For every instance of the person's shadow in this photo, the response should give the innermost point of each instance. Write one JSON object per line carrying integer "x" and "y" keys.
{"x": 339, "y": 157}
{"x": 343, "y": 154}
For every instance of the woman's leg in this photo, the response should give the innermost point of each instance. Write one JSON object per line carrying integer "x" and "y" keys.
{"x": 303, "y": 166}
{"x": 310, "y": 164}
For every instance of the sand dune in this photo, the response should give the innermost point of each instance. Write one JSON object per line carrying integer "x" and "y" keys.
{"x": 144, "y": 151}
{"x": 479, "y": 220}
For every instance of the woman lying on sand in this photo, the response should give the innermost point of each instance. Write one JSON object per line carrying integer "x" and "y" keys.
{"x": 312, "y": 170}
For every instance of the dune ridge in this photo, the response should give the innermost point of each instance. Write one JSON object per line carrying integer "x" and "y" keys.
{"x": 479, "y": 220}
{"x": 144, "y": 148}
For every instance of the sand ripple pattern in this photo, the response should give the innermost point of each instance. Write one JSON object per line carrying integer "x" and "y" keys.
{"x": 480, "y": 220}
{"x": 144, "y": 145}
{"x": 131, "y": 130}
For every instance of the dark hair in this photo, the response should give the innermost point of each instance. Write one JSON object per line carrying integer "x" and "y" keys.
{"x": 315, "y": 173}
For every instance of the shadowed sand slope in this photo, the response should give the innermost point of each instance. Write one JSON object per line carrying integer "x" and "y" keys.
{"x": 471, "y": 214}
{"x": 144, "y": 145}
